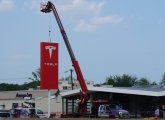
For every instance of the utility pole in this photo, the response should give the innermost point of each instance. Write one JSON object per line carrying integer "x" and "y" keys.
{"x": 71, "y": 77}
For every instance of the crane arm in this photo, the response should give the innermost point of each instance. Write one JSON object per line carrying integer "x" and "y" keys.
{"x": 51, "y": 7}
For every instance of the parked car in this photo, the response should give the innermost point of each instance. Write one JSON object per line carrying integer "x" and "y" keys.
{"x": 112, "y": 111}
{"x": 40, "y": 114}
{"x": 5, "y": 114}
{"x": 28, "y": 112}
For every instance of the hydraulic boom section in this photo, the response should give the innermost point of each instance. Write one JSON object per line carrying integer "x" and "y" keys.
{"x": 46, "y": 8}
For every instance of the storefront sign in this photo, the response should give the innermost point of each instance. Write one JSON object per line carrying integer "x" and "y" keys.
{"x": 24, "y": 95}
{"x": 49, "y": 66}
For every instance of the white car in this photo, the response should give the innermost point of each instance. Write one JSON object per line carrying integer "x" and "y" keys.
{"x": 40, "y": 114}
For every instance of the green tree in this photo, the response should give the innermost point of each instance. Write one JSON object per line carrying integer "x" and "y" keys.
{"x": 35, "y": 75}
{"x": 121, "y": 81}
{"x": 162, "y": 82}
{"x": 143, "y": 82}
{"x": 110, "y": 80}
{"x": 15, "y": 87}
{"x": 128, "y": 80}
{"x": 33, "y": 84}
{"x": 153, "y": 83}
{"x": 9, "y": 87}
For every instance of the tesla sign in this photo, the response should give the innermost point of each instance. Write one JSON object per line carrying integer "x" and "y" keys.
{"x": 49, "y": 66}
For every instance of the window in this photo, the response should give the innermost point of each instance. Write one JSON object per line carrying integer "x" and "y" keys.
{"x": 65, "y": 87}
{"x": 107, "y": 108}
{"x": 4, "y": 114}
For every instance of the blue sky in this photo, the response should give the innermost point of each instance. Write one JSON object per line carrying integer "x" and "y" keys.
{"x": 108, "y": 37}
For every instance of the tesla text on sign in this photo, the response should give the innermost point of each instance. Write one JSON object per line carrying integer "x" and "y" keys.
{"x": 49, "y": 66}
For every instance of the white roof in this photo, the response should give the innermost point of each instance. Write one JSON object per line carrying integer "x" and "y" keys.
{"x": 157, "y": 92}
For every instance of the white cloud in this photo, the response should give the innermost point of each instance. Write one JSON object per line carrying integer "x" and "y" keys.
{"x": 81, "y": 7}
{"x": 6, "y": 5}
{"x": 97, "y": 22}
{"x": 70, "y": 6}
{"x": 87, "y": 13}
{"x": 32, "y": 4}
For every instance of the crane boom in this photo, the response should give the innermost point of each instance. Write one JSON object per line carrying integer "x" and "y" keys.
{"x": 46, "y": 8}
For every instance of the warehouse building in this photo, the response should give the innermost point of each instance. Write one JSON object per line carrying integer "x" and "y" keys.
{"x": 139, "y": 101}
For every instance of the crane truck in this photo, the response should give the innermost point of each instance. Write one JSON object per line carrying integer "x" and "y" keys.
{"x": 47, "y": 8}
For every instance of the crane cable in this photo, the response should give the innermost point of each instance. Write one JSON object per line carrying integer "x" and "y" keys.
{"x": 49, "y": 39}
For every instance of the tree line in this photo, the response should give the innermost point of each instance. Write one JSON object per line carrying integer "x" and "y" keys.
{"x": 124, "y": 80}
{"x": 15, "y": 87}
{"x": 34, "y": 82}
{"x": 129, "y": 81}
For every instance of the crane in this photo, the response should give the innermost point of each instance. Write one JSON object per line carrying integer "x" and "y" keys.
{"x": 47, "y": 8}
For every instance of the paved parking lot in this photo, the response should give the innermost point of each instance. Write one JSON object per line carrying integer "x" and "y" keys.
{"x": 85, "y": 119}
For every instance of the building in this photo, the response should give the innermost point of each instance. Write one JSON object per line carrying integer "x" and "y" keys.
{"x": 136, "y": 100}
{"x": 39, "y": 97}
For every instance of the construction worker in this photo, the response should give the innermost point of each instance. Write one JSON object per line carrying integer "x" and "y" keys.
{"x": 157, "y": 113}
